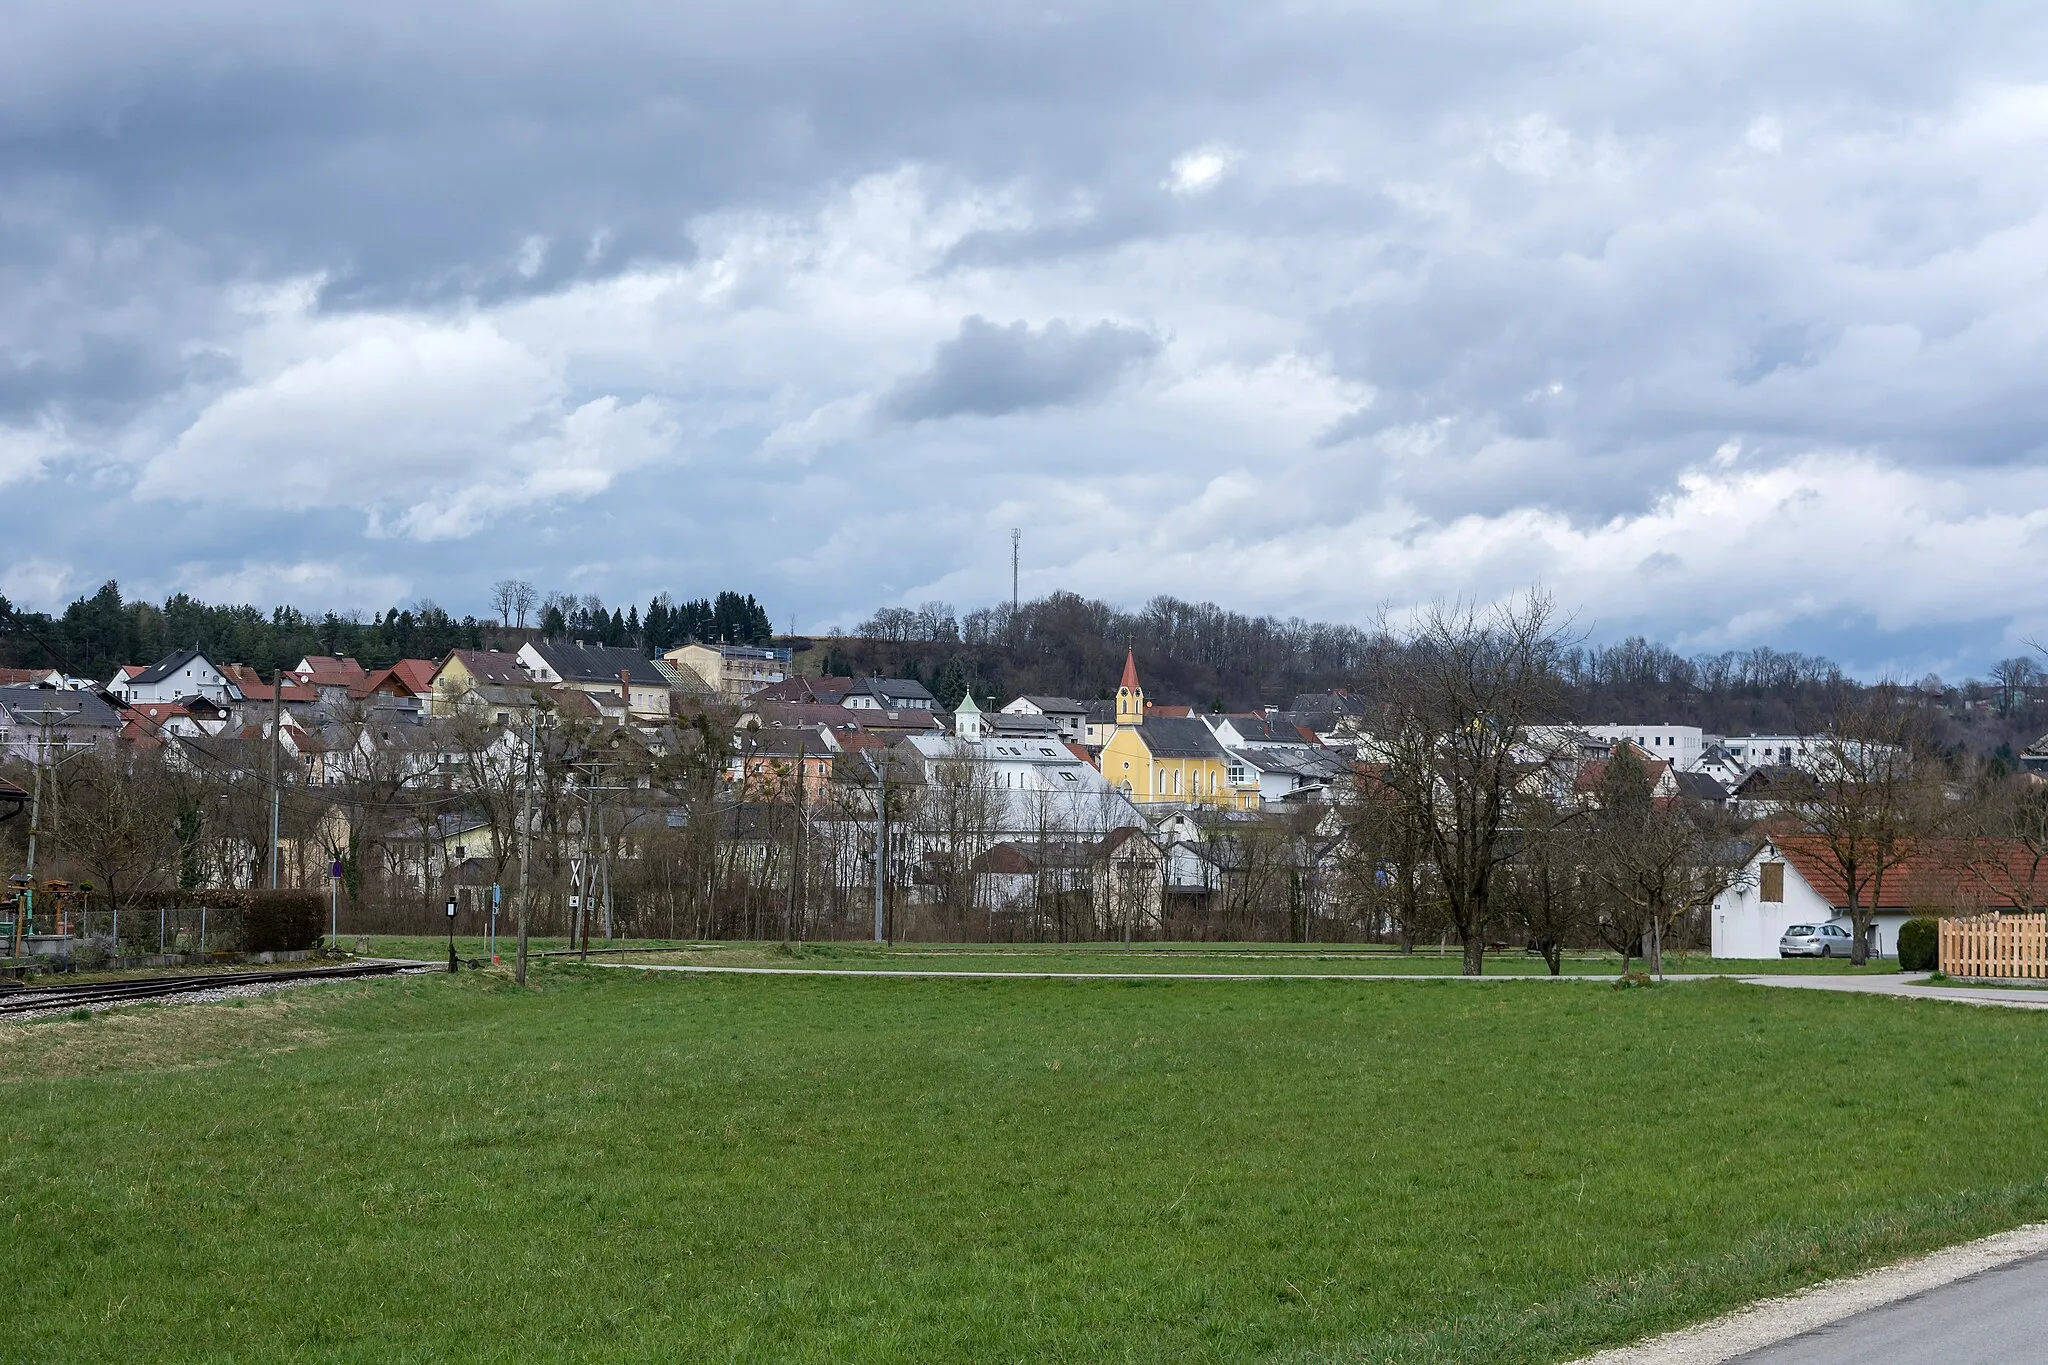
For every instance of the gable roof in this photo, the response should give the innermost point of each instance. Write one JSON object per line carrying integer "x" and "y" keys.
{"x": 599, "y": 663}
{"x": 252, "y": 687}
{"x": 1055, "y": 706}
{"x": 890, "y": 689}
{"x": 1179, "y": 737}
{"x": 330, "y": 670}
{"x": 1934, "y": 874}
{"x": 493, "y": 666}
{"x": 79, "y": 708}
{"x": 166, "y": 666}
{"x": 806, "y": 689}
{"x": 1259, "y": 728}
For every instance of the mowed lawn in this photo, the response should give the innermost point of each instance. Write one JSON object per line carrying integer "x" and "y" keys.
{"x": 1289, "y": 959}
{"x": 627, "y": 1165}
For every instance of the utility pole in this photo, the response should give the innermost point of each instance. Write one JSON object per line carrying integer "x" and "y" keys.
{"x": 526, "y": 842}
{"x": 1016, "y": 536}
{"x": 276, "y": 742}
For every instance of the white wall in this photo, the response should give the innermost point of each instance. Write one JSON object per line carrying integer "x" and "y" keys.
{"x": 1679, "y": 745}
{"x": 1747, "y": 926}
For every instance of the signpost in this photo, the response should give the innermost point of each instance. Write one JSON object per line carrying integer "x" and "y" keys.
{"x": 451, "y": 931}
{"x": 496, "y": 896}
{"x": 334, "y": 908}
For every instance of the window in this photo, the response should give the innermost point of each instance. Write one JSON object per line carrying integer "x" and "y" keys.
{"x": 1773, "y": 885}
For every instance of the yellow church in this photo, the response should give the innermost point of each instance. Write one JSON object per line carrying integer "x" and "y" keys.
{"x": 1175, "y": 760}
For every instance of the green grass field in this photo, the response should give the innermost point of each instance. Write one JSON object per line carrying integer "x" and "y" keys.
{"x": 1234, "y": 958}
{"x": 626, "y": 1165}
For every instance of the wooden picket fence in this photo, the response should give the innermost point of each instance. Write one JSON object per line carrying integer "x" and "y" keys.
{"x": 2004, "y": 946}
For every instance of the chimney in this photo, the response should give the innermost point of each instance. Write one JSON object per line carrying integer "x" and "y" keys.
{"x": 626, "y": 688}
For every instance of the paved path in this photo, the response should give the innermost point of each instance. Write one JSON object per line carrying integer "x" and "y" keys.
{"x": 1994, "y": 1318}
{"x": 1913, "y": 986}
{"x": 1982, "y": 1302}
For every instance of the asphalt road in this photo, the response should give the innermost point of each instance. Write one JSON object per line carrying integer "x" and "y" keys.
{"x": 1996, "y": 1318}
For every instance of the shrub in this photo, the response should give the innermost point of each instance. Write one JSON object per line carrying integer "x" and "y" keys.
{"x": 1919, "y": 945}
{"x": 1629, "y": 981}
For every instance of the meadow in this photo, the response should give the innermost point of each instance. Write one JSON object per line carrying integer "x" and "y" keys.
{"x": 614, "y": 1164}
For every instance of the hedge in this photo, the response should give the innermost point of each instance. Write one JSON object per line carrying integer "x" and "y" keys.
{"x": 1920, "y": 945}
{"x": 261, "y": 921}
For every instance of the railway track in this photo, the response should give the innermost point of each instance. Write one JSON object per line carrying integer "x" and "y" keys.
{"x": 39, "y": 998}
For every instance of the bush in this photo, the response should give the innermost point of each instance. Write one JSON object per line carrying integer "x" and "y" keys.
{"x": 1634, "y": 981}
{"x": 1920, "y": 945}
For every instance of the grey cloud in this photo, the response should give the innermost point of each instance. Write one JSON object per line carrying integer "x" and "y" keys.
{"x": 989, "y": 371}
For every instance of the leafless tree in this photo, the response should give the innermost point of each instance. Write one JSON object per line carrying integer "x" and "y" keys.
{"x": 513, "y": 599}
{"x": 1458, "y": 692}
{"x": 1659, "y": 859}
{"x": 1548, "y": 888}
{"x": 1878, "y": 794}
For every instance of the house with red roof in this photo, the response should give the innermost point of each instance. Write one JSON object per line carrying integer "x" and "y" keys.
{"x": 1791, "y": 879}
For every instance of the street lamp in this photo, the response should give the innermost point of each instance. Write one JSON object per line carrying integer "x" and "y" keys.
{"x": 451, "y": 931}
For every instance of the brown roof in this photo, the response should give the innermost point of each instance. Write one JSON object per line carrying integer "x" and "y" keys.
{"x": 1130, "y": 678}
{"x": 1935, "y": 874}
{"x": 489, "y": 666}
{"x": 253, "y": 688}
{"x": 329, "y": 670}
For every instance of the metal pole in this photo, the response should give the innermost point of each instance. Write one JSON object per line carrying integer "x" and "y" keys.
{"x": 28, "y": 893}
{"x": 526, "y": 842}
{"x": 276, "y": 742}
{"x": 451, "y": 931}
{"x": 881, "y": 837}
{"x": 334, "y": 906}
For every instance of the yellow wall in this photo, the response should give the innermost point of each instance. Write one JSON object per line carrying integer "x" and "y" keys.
{"x": 1205, "y": 780}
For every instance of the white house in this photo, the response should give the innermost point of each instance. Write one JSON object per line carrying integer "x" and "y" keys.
{"x": 186, "y": 673}
{"x": 1789, "y": 880}
{"x": 1068, "y": 716}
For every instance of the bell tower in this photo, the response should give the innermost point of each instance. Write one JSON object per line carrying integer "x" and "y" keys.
{"x": 1130, "y": 697}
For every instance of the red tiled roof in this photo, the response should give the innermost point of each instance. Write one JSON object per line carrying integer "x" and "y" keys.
{"x": 1940, "y": 874}
{"x": 328, "y": 670}
{"x": 1130, "y": 680}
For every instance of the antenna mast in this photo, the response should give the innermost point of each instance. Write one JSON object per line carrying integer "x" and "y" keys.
{"x": 1016, "y": 535}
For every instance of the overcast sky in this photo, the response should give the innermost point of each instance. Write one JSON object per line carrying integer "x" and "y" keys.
{"x": 1727, "y": 324}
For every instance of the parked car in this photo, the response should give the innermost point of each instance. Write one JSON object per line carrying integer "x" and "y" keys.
{"x": 1816, "y": 940}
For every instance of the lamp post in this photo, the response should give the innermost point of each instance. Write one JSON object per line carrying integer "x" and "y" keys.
{"x": 451, "y": 931}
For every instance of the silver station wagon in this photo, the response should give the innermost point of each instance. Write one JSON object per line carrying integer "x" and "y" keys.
{"x": 1816, "y": 940}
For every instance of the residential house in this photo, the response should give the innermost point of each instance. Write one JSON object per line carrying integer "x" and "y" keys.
{"x": 184, "y": 673}
{"x": 624, "y": 673}
{"x": 769, "y": 763}
{"x": 1070, "y": 717}
{"x": 332, "y": 676}
{"x": 1166, "y": 760}
{"x": 1290, "y": 772}
{"x": 487, "y": 681}
{"x": 1663, "y": 781}
{"x": 806, "y": 689}
{"x": 733, "y": 671}
{"x": 1790, "y": 879}
{"x": 888, "y": 694}
{"x": 44, "y": 720}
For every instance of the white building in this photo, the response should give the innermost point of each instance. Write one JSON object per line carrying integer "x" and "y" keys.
{"x": 186, "y": 673}
{"x": 1678, "y": 745}
{"x": 1788, "y": 882}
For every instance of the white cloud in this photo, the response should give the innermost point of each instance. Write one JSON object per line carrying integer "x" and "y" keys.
{"x": 312, "y": 585}
{"x": 36, "y": 583}
{"x": 433, "y": 428}
{"x": 1201, "y": 170}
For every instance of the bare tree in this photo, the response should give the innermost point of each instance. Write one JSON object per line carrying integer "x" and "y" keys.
{"x": 1878, "y": 793}
{"x": 1660, "y": 858}
{"x": 1548, "y": 888}
{"x": 1458, "y": 693}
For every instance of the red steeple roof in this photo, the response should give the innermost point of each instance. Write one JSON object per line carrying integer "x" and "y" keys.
{"x": 1130, "y": 682}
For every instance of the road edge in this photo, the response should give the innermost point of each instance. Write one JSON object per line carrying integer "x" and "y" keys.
{"x": 1771, "y": 1321}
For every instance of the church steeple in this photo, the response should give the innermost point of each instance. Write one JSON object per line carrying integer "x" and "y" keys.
{"x": 1130, "y": 697}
